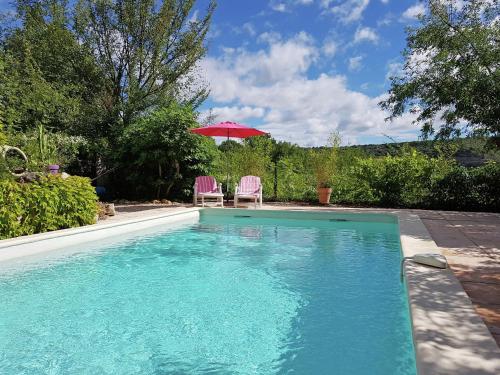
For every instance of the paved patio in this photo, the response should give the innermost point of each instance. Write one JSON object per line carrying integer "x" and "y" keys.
{"x": 470, "y": 241}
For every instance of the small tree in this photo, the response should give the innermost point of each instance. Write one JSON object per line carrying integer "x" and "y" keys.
{"x": 159, "y": 156}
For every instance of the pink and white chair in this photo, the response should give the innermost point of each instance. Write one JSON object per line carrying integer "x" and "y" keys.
{"x": 206, "y": 187}
{"x": 249, "y": 188}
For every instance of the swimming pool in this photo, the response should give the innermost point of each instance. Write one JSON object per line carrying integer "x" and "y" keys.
{"x": 228, "y": 294}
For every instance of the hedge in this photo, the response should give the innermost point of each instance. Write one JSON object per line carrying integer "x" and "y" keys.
{"x": 470, "y": 189}
{"x": 419, "y": 183}
{"x": 49, "y": 204}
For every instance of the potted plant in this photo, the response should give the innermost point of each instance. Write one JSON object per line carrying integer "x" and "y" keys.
{"x": 323, "y": 162}
{"x": 324, "y": 192}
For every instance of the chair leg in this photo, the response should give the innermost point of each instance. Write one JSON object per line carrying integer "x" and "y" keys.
{"x": 221, "y": 202}
{"x": 202, "y": 201}
{"x": 195, "y": 203}
{"x": 235, "y": 201}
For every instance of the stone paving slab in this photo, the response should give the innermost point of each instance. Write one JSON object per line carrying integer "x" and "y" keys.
{"x": 471, "y": 243}
{"x": 446, "y": 235}
{"x": 478, "y": 273}
{"x": 483, "y": 294}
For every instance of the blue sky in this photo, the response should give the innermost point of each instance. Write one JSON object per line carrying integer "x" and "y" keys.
{"x": 301, "y": 69}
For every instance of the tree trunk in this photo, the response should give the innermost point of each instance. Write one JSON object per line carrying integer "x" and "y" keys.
{"x": 158, "y": 191}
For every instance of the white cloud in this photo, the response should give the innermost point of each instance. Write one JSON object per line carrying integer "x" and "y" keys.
{"x": 348, "y": 11}
{"x": 283, "y": 60}
{"x": 194, "y": 17}
{"x": 273, "y": 85}
{"x": 284, "y": 6}
{"x": 269, "y": 37}
{"x": 249, "y": 28}
{"x": 384, "y": 1}
{"x": 278, "y": 7}
{"x": 386, "y": 20}
{"x": 329, "y": 48}
{"x": 355, "y": 63}
{"x": 365, "y": 34}
{"x": 234, "y": 113}
{"x": 394, "y": 69}
{"x": 414, "y": 11}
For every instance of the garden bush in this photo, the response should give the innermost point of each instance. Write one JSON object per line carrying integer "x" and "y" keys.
{"x": 463, "y": 188}
{"x": 160, "y": 158}
{"x": 413, "y": 180}
{"x": 49, "y": 204}
{"x": 407, "y": 178}
{"x": 404, "y": 180}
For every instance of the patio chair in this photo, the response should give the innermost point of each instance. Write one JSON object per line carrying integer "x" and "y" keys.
{"x": 249, "y": 188}
{"x": 206, "y": 187}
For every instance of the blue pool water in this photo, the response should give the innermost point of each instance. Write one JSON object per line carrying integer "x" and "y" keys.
{"x": 224, "y": 296}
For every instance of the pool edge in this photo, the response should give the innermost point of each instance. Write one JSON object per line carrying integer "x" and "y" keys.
{"x": 24, "y": 246}
{"x": 449, "y": 335}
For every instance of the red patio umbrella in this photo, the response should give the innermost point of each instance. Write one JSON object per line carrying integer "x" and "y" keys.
{"x": 230, "y": 130}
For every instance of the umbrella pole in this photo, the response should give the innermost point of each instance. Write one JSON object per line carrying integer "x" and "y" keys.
{"x": 227, "y": 171}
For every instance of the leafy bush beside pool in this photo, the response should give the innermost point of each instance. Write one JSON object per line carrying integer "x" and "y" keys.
{"x": 407, "y": 178}
{"x": 49, "y": 204}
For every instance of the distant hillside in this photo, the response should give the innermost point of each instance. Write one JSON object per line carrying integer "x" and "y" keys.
{"x": 470, "y": 152}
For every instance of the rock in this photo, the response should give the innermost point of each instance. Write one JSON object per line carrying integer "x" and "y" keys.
{"x": 64, "y": 175}
{"x": 166, "y": 201}
{"x": 29, "y": 177}
{"x": 109, "y": 209}
{"x": 156, "y": 201}
{"x": 105, "y": 210}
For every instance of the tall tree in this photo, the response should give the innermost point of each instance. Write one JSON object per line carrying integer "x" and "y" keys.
{"x": 451, "y": 72}
{"x": 147, "y": 49}
{"x": 47, "y": 76}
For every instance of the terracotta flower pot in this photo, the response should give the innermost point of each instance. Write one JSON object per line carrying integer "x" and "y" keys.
{"x": 324, "y": 195}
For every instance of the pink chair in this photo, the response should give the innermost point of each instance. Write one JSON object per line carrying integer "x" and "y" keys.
{"x": 206, "y": 187}
{"x": 249, "y": 188}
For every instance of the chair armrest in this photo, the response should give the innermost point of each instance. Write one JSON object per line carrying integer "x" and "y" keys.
{"x": 236, "y": 188}
{"x": 220, "y": 187}
{"x": 195, "y": 187}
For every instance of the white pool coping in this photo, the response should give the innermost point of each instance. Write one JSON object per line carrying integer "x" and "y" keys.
{"x": 449, "y": 336}
{"x": 45, "y": 242}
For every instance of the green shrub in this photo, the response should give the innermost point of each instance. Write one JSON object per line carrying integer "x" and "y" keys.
{"x": 160, "y": 158}
{"x": 475, "y": 189}
{"x": 486, "y": 182}
{"x": 453, "y": 191}
{"x": 407, "y": 178}
{"x": 404, "y": 180}
{"x": 49, "y": 204}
